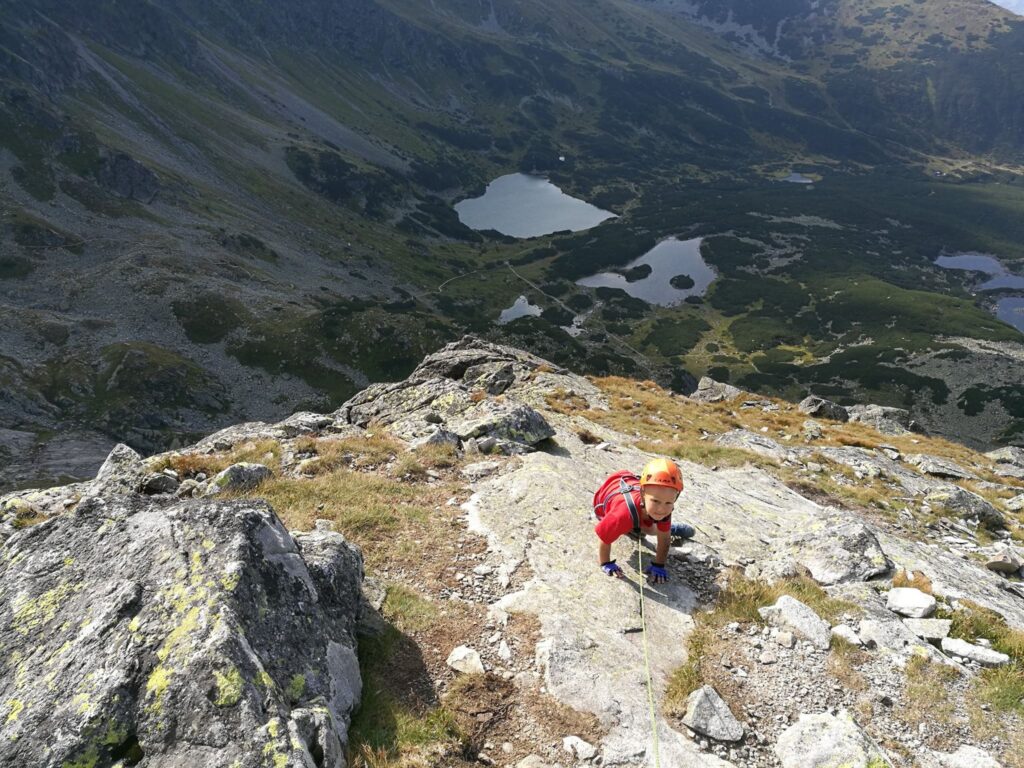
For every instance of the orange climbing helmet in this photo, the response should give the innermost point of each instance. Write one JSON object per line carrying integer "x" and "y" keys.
{"x": 662, "y": 472}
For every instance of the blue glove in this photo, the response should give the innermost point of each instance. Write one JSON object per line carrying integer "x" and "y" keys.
{"x": 656, "y": 573}
{"x": 612, "y": 569}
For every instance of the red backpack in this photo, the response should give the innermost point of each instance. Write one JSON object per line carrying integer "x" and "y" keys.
{"x": 622, "y": 482}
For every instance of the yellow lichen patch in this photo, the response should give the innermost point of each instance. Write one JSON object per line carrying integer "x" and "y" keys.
{"x": 180, "y": 633}
{"x": 229, "y": 581}
{"x": 133, "y": 625}
{"x": 14, "y": 708}
{"x": 229, "y": 687}
{"x": 29, "y": 613}
{"x": 265, "y": 679}
{"x": 208, "y": 544}
{"x": 157, "y": 684}
{"x": 82, "y": 703}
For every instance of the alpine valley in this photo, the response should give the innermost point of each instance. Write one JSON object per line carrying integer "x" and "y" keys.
{"x": 223, "y": 210}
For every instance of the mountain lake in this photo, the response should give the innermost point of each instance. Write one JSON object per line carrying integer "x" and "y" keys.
{"x": 667, "y": 259}
{"x": 520, "y": 205}
{"x": 521, "y": 308}
{"x": 1010, "y": 309}
{"x": 798, "y": 178}
{"x": 981, "y": 262}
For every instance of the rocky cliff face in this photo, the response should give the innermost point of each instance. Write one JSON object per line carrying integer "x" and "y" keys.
{"x": 160, "y": 633}
{"x": 831, "y": 592}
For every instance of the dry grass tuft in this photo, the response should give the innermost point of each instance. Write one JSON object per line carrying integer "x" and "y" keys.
{"x": 438, "y": 456}
{"x": 587, "y": 437}
{"x": 267, "y": 452}
{"x": 925, "y": 693}
{"x": 914, "y": 579}
{"x": 356, "y": 452}
{"x": 844, "y": 661}
{"x": 565, "y": 402}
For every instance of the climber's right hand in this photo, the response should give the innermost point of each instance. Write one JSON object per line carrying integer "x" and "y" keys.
{"x": 612, "y": 569}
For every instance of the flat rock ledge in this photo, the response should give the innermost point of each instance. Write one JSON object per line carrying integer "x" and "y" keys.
{"x": 986, "y": 657}
{"x": 181, "y": 633}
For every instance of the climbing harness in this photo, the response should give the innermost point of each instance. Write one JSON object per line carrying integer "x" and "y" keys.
{"x": 647, "y": 658}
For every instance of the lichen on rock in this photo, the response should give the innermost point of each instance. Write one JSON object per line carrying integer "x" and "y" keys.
{"x": 157, "y": 638}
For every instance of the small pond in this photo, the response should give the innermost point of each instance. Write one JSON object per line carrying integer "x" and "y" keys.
{"x": 521, "y": 308}
{"x": 798, "y": 178}
{"x": 519, "y": 205}
{"x": 981, "y": 262}
{"x": 668, "y": 259}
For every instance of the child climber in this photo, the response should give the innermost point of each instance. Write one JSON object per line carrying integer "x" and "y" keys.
{"x": 626, "y": 504}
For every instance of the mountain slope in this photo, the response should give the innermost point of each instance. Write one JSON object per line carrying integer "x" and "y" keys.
{"x": 251, "y": 204}
{"x": 470, "y": 503}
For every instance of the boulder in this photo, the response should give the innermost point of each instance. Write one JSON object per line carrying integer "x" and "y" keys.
{"x": 910, "y": 602}
{"x": 579, "y": 748}
{"x": 790, "y": 614}
{"x": 708, "y": 715}
{"x": 304, "y": 423}
{"x": 964, "y": 757}
{"x": 848, "y": 552}
{"x": 967, "y": 505}
{"x": 1009, "y": 455}
{"x": 445, "y": 389}
{"x": 812, "y": 431}
{"x": 506, "y": 421}
{"x": 827, "y": 741}
{"x": 1009, "y": 470}
{"x": 939, "y": 467}
{"x": 711, "y": 391}
{"x": 849, "y": 634}
{"x": 821, "y": 408}
{"x": 121, "y": 473}
{"x": 188, "y": 633}
{"x": 887, "y": 420}
{"x": 471, "y": 354}
{"x": 889, "y": 635}
{"x": 984, "y": 656}
{"x": 746, "y": 440}
{"x": 479, "y": 470}
{"x": 494, "y": 378}
{"x": 1005, "y": 560}
{"x": 932, "y": 630}
{"x": 157, "y": 482}
{"x": 238, "y": 478}
{"x": 438, "y": 436}
{"x": 466, "y": 660}
{"x": 1016, "y": 504}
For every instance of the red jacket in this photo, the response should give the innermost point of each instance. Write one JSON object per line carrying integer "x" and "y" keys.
{"x": 613, "y": 515}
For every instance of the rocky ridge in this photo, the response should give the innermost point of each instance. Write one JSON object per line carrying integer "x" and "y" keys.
{"x": 530, "y": 502}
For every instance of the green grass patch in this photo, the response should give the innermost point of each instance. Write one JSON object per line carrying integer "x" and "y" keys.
{"x": 409, "y": 611}
{"x": 387, "y": 729}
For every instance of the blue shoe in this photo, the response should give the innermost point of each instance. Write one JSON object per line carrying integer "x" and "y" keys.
{"x": 681, "y": 531}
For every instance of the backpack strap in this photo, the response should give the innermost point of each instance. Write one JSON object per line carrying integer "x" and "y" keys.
{"x": 627, "y": 492}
